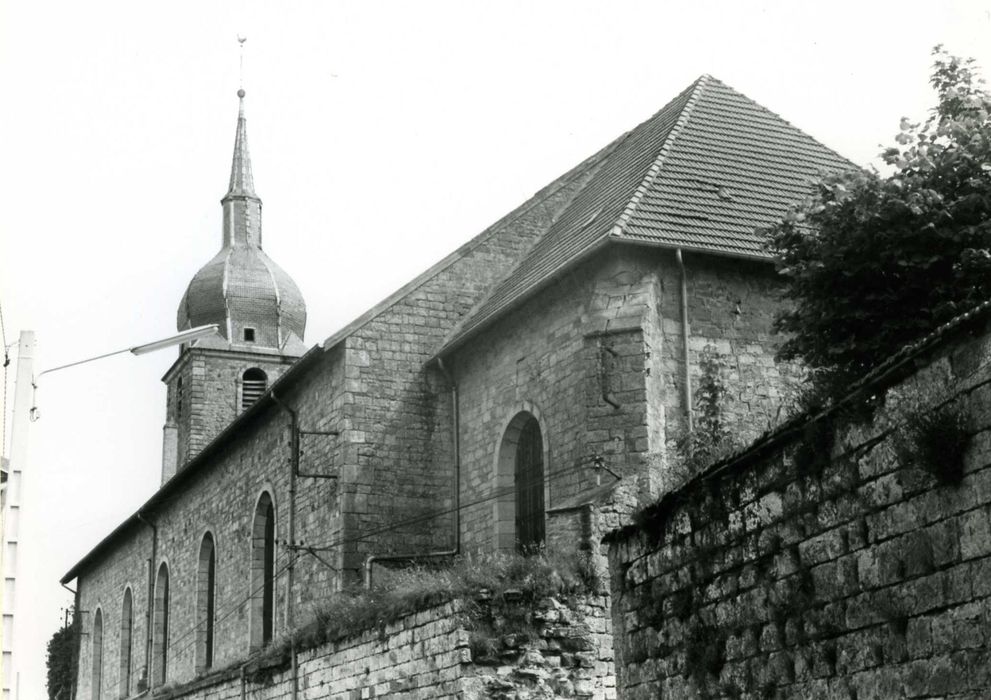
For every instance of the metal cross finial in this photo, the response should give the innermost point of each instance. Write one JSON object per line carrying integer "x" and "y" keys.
{"x": 240, "y": 78}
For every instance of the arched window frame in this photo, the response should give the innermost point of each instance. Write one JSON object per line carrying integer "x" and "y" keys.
{"x": 505, "y": 516}
{"x": 160, "y": 626}
{"x": 126, "y": 642}
{"x": 262, "y": 579}
{"x": 252, "y": 383}
{"x": 206, "y": 601}
{"x": 97, "y": 677}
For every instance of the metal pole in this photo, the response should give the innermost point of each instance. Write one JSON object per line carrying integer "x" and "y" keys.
{"x": 685, "y": 335}
{"x": 12, "y": 508}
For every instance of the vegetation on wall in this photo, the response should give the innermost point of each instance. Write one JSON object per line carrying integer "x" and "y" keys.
{"x": 875, "y": 262}
{"x": 934, "y": 440}
{"x": 711, "y": 438}
{"x": 511, "y": 583}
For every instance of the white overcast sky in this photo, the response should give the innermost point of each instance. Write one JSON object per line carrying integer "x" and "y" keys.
{"x": 383, "y": 135}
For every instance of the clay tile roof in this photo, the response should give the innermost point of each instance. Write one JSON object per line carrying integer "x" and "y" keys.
{"x": 706, "y": 173}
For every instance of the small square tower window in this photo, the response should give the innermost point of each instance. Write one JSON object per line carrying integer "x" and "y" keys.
{"x": 249, "y": 335}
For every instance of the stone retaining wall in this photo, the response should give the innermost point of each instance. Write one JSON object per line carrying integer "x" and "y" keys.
{"x": 441, "y": 652}
{"x": 848, "y": 560}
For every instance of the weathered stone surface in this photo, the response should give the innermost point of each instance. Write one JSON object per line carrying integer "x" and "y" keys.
{"x": 421, "y": 656}
{"x": 869, "y": 581}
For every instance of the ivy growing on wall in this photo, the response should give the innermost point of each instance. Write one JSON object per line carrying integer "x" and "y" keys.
{"x": 711, "y": 438}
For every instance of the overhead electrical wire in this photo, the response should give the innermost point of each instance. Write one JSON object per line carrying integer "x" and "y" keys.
{"x": 292, "y": 558}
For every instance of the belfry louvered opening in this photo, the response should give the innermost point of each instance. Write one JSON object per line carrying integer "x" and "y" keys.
{"x": 253, "y": 385}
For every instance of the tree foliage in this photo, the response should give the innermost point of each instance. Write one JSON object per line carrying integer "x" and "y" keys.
{"x": 874, "y": 262}
{"x": 61, "y": 663}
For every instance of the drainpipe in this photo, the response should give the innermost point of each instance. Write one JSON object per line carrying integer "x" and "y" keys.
{"x": 455, "y": 496}
{"x": 456, "y": 428}
{"x": 685, "y": 333}
{"x": 290, "y": 567}
{"x": 151, "y": 597}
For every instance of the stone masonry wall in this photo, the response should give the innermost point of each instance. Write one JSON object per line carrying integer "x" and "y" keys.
{"x": 731, "y": 310}
{"x": 848, "y": 558}
{"x": 558, "y": 357}
{"x": 598, "y": 358}
{"x": 393, "y": 455}
{"x": 221, "y": 500}
{"x": 211, "y": 383}
{"x": 400, "y": 452}
{"x": 435, "y": 654}
{"x": 129, "y": 573}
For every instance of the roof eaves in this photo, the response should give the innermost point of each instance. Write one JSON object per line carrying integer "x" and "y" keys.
{"x": 192, "y": 467}
{"x": 332, "y": 341}
{"x": 458, "y": 339}
{"x": 766, "y": 258}
{"x": 458, "y": 334}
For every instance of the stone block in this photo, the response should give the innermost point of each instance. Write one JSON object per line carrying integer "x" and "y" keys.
{"x": 975, "y": 533}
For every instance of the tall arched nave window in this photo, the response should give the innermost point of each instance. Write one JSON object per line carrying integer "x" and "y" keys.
{"x": 263, "y": 572}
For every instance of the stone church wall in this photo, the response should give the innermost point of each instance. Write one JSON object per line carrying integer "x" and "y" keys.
{"x": 393, "y": 456}
{"x": 731, "y": 309}
{"x": 399, "y": 407}
{"x": 221, "y": 499}
{"x": 597, "y": 357}
{"x": 211, "y": 382}
{"x": 539, "y": 360}
{"x": 125, "y": 568}
{"x": 845, "y": 558}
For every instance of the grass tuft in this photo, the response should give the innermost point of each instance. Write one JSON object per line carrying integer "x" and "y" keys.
{"x": 524, "y": 580}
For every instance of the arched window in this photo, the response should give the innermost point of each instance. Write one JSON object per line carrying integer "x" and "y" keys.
{"x": 253, "y": 385}
{"x": 97, "y": 654}
{"x": 160, "y": 627}
{"x": 205, "y": 603}
{"x": 520, "y": 482}
{"x": 263, "y": 572}
{"x": 126, "y": 632}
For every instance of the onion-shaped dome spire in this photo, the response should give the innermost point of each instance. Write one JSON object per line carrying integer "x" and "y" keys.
{"x": 256, "y": 304}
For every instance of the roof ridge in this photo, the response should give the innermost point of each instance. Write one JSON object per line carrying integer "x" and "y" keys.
{"x": 536, "y": 199}
{"x": 797, "y": 129}
{"x": 655, "y": 168}
{"x": 600, "y": 157}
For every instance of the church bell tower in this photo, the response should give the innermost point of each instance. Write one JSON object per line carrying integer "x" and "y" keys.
{"x": 260, "y": 313}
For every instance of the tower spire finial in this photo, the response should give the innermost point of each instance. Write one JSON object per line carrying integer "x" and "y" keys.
{"x": 241, "y": 38}
{"x": 242, "y": 183}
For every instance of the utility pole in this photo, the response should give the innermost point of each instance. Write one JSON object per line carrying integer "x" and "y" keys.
{"x": 12, "y": 508}
{"x": 24, "y": 413}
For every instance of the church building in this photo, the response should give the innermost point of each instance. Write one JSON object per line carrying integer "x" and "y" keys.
{"x": 525, "y": 391}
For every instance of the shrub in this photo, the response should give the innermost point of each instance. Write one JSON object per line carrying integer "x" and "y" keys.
{"x": 935, "y": 440}
{"x": 62, "y": 660}
{"x": 874, "y": 263}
